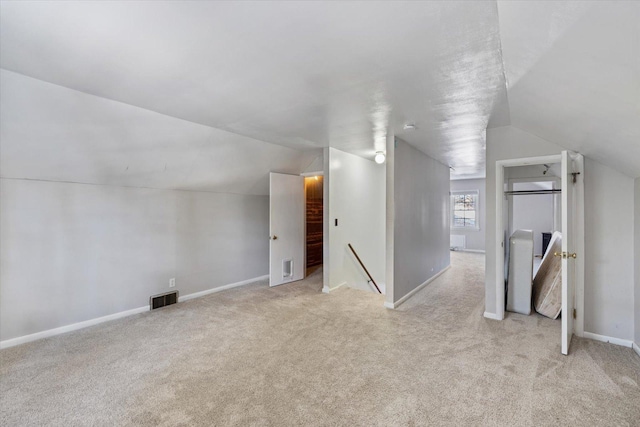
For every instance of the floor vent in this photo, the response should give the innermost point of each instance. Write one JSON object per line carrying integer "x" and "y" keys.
{"x": 158, "y": 301}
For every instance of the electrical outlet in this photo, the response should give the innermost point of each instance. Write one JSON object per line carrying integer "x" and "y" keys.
{"x": 172, "y": 282}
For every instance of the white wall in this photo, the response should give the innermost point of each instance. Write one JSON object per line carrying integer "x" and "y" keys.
{"x": 421, "y": 219}
{"x": 53, "y": 133}
{"x": 357, "y": 199}
{"x": 533, "y": 212}
{"x": 608, "y": 239}
{"x": 474, "y": 238}
{"x": 608, "y": 242}
{"x": 75, "y": 252}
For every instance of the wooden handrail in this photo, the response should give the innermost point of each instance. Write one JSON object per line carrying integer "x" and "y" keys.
{"x": 364, "y": 268}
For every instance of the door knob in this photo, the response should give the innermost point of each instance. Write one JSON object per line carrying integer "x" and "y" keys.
{"x": 274, "y": 237}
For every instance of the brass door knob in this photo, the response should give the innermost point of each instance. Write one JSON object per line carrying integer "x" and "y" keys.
{"x": 274, "y": 237}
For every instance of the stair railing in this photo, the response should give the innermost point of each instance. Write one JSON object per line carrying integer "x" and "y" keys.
{"x": 364, "y": 268}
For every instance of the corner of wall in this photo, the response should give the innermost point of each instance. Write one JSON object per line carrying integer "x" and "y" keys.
{"x": 636, "y": 250}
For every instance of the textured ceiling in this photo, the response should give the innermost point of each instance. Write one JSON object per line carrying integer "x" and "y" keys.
{"x": 306, "y": 75}
{"x": 298, "y": 74}
{"x": 573, "y": 74}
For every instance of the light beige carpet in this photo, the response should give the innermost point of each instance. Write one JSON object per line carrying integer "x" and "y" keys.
{"x": 293, "y": 356}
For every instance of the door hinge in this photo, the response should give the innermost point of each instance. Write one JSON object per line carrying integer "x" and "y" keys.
{"x": 574, "y": 313}
{"x": 575, "y": 176}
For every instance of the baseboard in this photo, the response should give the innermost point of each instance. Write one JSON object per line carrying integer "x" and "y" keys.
{"x": 69, "y": 328}
{"x": 414, "y": 291}
{"x": 492, "y": 316}
{"x": 91, "y": 322}
{"x": 326, "y": 290}
{"x": 475, "y": 251}
{"x": 221, "y": 288}
{"x": 636, "y": 347}
{"x": 611, "y": 340}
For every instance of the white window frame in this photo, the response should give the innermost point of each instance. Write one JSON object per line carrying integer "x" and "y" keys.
{"x": 476, "y": 193}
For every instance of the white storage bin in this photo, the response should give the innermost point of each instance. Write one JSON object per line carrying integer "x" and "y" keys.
{"x": 520, "y": 277}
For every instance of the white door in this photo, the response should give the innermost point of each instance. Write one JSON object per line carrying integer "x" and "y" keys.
{"x": 286, "y": 228}
{"x": 570, "y": 164}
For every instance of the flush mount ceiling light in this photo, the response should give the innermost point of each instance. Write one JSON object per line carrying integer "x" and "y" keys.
{"x": 379, "y": 158}
{"x": 409, "y": 126}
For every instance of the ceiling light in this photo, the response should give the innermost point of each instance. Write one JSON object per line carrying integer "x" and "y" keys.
{"x": 409, "y": 126}
{"x": 379, "y": 158}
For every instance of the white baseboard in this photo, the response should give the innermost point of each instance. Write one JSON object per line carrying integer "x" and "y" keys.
{"x": 636, "y": 347}
{"x": 492, "y": 316}
{"x": 475, "y": 251}
{"x": 611, "y": 340}
{"x": 416, "y": 290}
{"x": 72, "y": 327}
{"x": 91, "y": 322}
{"x": 221, "y": 288}
{"x": 327, "y": 290}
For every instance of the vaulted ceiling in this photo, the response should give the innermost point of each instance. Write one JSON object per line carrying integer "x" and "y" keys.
{"x": 305, "y": 75}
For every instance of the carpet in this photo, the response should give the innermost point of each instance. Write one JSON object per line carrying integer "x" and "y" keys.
{"x": 290, "y": 355}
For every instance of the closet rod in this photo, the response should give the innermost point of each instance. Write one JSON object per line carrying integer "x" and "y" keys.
{"x": 526, "y": 192}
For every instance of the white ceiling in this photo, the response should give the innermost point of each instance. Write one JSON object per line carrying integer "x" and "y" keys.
{"x": 573, "y": 74}
{"x": 313, "y": 74}
{"x": 298, "y": 74}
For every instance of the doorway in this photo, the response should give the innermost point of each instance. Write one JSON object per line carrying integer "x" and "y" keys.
{"x": 534, "y": 204}
{"x": 572, "y": 245}
{"x": 313, "y": 190}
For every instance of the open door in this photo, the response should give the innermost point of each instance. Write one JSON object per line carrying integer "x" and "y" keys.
{"x": 571, "y": 165}
{"x": 286, "y": 228}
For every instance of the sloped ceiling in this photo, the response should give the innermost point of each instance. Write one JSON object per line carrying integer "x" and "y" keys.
{"x": 573, "y": 75}
{"x": 306, "y": 75}
{"x": 299, "y": 74}
{"x": 51, "y": 133}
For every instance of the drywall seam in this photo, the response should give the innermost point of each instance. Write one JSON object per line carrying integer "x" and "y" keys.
{"x": 92, "y": 322}
{"x": 611, "y": 340}
{"x": 414, "y": 291}
{"x": 8, "y": 178}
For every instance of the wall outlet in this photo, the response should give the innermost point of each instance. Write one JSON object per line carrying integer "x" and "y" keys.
{"x": 172, "y": 282}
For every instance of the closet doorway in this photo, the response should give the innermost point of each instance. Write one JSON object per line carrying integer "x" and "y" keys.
{"x": 572, "y": 228}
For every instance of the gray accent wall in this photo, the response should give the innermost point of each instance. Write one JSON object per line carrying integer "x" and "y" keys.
{"x": 75, "y": 252}
{"x": 103, "y": 203}
{"x": 420, "y": 218}
{"x": 609, "y": 221}
{"x": 637, "y": 260}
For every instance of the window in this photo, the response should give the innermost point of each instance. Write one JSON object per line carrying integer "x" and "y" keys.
{"x": 464, "y": 209}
